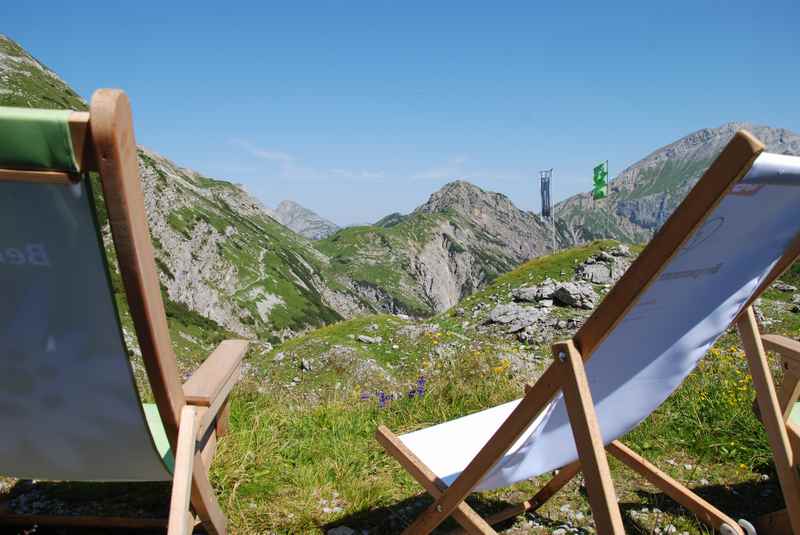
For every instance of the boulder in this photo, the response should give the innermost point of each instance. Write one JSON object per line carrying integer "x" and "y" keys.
{"x": 620, "y": 250}
{"x": 369, "y": 339}
{"x": 605, "y": 269}
{"x": 576, "y": 294}
{"x": 525, "y": 293}
{"x": 597, "y": 273}
{"x": 783, "y": 287}
{"x": 531, "y": 294}
{"x": 515, "y": 316}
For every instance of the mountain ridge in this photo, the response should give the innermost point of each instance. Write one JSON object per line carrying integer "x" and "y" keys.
{"x": 226, "y": 256}
{"x": 646, "y": 192}
{"x": 219, "y": 251}
{"x": 303, "y": 221}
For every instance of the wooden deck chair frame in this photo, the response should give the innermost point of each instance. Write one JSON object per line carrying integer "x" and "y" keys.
{"x": 194, "y": 414}
{"x": 567, "y": 374}
{"x": 783, "y": 433}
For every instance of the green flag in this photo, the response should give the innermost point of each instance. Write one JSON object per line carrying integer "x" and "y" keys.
{"x": 600, "y": 178}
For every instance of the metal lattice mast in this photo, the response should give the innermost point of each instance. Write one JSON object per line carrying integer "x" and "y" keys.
{"x": 547, "y": 206}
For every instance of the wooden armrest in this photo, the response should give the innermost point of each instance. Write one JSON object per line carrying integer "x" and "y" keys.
{"x": 787, "y": 348}
{"x": 206, "y": 384}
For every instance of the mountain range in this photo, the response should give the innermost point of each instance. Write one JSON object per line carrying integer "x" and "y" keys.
{"x": 268, "y": 274}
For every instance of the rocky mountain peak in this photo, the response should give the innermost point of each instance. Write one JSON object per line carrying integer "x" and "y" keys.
{"x": 303, "y": 221}
{"x": 468, "y": 199}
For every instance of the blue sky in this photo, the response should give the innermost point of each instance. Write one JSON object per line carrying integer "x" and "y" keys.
{"x": 359, "y": 109}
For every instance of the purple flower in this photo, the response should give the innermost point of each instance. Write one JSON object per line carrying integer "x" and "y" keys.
{"x": 365, "y": 396}
{"x": 381, "y": 399}
{"x": 421, "y": 386}
{"x": 411, "y": 393}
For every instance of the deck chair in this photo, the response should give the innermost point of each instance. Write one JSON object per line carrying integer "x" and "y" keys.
{"x": 69, "y": 405}
{"x": 735, "y": 233}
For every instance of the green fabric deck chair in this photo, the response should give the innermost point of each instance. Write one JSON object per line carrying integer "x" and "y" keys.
{"x": 69, "y": 405}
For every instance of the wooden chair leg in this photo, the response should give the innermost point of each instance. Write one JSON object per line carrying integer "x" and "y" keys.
{"x": 181, "y": 521}
{"x": 209, "y": 449}
{"x": 589, "y": 441}
{"x": 223, "y": 419}
{"x": 702, "y": 509}
{"x": 463, "y": 514}
{"x": 788, "y": 393}
{"x": 535, "y": 400}
{"x": 204, "y": 501}
{"x": 771, "y": 415}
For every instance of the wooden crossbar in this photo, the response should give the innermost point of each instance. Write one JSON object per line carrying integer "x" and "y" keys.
{"x": 704, "y": 511}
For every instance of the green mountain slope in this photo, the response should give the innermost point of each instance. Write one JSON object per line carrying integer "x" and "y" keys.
{"x": 426, "y": 261}
{"x": 221, "y": 256}
{"x": 643, "y": 196}
{"x": 27, "y": 83}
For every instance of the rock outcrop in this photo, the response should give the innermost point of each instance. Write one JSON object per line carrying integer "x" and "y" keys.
{"x": 452, "y": 245}
{"x": 303, "y": 221}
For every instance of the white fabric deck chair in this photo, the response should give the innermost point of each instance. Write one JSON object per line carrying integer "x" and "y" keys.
{"x": 735, "y": 232}
{"x": 69, "y": 405}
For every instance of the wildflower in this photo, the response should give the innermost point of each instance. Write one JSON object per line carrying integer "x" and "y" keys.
{"x": 364, "y": 396}
{"x": 381, "y": 399}
{"x": 421, "y": 386}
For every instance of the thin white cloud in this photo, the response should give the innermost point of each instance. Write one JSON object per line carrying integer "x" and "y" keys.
{"x": 263, "y": 154}
{"x": 294, "y": 168}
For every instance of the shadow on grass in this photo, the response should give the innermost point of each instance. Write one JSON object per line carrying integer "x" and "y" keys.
{"x": 748, "y": 500}
{"x": 395, "y": 518}
{"x": 130, "y": 500}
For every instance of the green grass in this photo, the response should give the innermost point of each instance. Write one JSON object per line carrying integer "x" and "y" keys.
{"x": 285, "y": 456}
{"x": 302, "y": 459}
{"x": 280, "y": 472}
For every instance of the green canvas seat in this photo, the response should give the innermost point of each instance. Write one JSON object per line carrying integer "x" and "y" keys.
{"x": 69, "y": 403}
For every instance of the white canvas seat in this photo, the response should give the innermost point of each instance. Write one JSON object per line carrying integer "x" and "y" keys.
{"x": 715, "y": 255}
